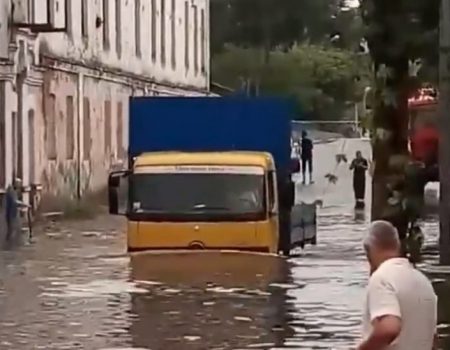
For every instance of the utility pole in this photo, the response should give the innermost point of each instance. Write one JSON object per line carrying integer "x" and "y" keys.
{"x": 444, "y": 146}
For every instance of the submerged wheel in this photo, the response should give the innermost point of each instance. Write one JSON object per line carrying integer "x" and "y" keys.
{"x": 284, "y": 240}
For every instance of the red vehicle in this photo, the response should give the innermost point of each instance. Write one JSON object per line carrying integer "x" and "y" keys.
{"x": 424, "y": 133}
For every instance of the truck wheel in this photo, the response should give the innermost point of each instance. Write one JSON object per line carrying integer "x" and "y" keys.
{"x": 284, "y": 246}
{"x": 285, "y": 236}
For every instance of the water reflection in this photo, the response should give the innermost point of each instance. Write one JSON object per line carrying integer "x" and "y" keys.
{"x": 209, "y": 300}
{"x": 360, "y": 216}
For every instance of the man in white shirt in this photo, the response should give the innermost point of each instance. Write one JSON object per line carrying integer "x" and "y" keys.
{"x": 401, "y": 306}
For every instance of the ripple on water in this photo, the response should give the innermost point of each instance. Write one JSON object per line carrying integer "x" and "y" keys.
{"x": 98, "y": 288}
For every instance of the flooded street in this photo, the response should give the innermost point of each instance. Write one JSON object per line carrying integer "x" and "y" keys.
{"x": 75, "y": 288}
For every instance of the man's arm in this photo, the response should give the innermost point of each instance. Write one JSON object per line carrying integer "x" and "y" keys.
{"x": 385, "y": 330}
{"x": 352, "y": 165}
{"x": 365, "y": 164}
{"x": 385, "y": 315}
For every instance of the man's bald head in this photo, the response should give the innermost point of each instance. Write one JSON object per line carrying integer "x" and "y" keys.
{"x": 382, "y": 235}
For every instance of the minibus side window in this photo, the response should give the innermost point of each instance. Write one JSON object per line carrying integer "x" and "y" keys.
{"x": 271, "y": 191}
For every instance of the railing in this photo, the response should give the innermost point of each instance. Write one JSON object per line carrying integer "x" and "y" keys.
{"x": 354, "y": 124}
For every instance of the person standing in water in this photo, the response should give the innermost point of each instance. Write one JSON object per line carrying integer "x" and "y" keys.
{"x": 307, "y": 157}
{"x": 359, "y": 166}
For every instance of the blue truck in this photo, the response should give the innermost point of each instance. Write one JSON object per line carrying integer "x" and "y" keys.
{"x": 192, "y": 161}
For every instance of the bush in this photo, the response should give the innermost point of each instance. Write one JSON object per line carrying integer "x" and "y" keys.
{"x": 64, "y": 208}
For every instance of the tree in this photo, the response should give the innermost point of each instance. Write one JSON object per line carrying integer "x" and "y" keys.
{"x": 444, "y": 157}
{"x": 272, "y": 24}
{"x": 349, "y": 28}
{"x": 265, "y": 26}
{"x": 322, "y": 80}
{"x": 398, "y": 32}
{"x": 221, "y": 24}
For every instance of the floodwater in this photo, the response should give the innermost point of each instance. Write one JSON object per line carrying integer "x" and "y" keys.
{"x": 74, "y": 288}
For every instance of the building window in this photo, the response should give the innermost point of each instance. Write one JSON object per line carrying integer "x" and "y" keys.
{"x": 2, "y": 140}
{"x": 137, "y": 27}
{"x": 119, "y": 131}
{"x": 69, "y": 23}
{"x": 31, "y": 146}
{"x": 86, "y": 129}
{"x": 106, "y": 24}
{"x": 173, "y": 33}
{"x": 203, "y": 41}
{"x": 84, "y": 19}
{"x": 196, "y": 52}
{"x": 271, "y": 189}
{"x": 163, "y": 32}
{"x": 19, "y": 146}
{"x": 107, "y": 128}
{"x": 186, "y": 35}
{"x": 118, "y": 28}
{"x": 154, "y": 26}
{"x": 50, "y": 127}
{"x": 14, "y": 141}
{"x": 32, "y": 11}
{"x": 70, "y": 128}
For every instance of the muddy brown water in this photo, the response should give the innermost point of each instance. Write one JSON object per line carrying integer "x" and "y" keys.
{"x": 74, "y": 289}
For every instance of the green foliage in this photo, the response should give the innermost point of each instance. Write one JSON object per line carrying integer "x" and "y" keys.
{"x": 221, "y": 22}
{"x": 325, "y": 81}
{"x": 401, "y": 28}
{"x": 258, "y": 42}
{"x": 349, "y": 24}
{"x": 272, "y": 23}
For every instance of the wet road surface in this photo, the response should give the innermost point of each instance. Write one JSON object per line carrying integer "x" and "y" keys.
{"x": 74, "y": 288}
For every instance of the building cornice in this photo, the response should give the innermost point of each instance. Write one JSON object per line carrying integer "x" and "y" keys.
{"x": 50, "y": 61}
{"x": 35, "y": 77}
{"x": 7, "y": 71}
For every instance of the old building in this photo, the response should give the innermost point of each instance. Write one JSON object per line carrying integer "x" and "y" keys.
{"x": 67, "y": 70}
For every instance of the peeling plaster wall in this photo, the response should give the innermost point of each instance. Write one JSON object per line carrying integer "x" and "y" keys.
{"x": 58, "y": 166}
{"x": 100, "y": 46}
{"x": 55, "y": 169}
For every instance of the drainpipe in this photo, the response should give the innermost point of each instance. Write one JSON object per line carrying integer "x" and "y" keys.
{"x": 80, "y": 95}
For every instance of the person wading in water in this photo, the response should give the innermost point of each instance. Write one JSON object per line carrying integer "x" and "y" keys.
{"x": 359, "y": 166}
{"x": 307, "y": 157}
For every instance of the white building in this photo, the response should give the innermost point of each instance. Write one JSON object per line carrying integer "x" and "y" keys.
{"x": 67, "y": 70}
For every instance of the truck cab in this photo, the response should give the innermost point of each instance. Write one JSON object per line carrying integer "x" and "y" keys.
{"x": 201, "y": 200}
